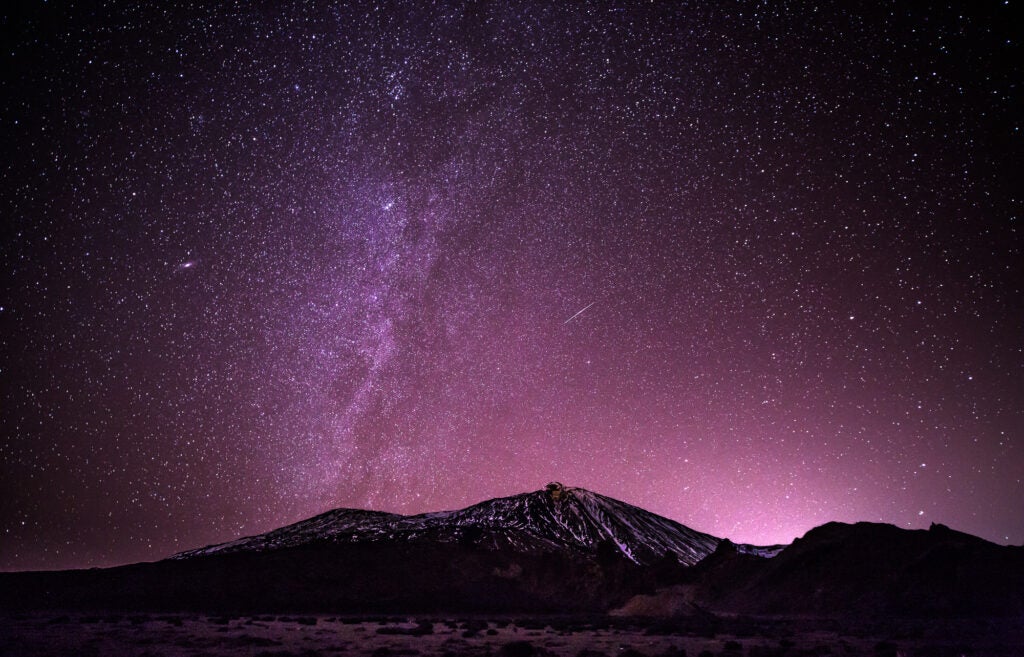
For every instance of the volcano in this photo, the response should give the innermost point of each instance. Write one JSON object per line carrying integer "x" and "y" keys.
{"x": 555, "y": 519}
{"x": 558, "y": 549}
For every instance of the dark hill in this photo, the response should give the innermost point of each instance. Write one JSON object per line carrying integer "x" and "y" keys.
{"x": 870, "y": 569}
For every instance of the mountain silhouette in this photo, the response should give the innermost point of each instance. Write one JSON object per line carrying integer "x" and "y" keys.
{"x": 555, "y": 550}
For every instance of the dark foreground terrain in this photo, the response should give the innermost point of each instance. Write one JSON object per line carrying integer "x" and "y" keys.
{"x": 27, "y": 635}
{"x": 559, "y": 572}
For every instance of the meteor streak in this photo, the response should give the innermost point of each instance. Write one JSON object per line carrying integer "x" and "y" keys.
{"x": 578, "y": 313}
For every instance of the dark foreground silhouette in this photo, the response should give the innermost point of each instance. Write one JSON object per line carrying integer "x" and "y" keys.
{"x": 935, "y": 590}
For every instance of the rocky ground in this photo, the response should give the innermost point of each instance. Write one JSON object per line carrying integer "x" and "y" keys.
{"x": 27, "y": 635}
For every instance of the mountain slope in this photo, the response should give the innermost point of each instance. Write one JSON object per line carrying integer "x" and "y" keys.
{"x": 869, "y": 569}
{"x": 555, "y": 519}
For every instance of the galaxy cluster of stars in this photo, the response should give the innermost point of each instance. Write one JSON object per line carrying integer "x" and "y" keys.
{"x": 753, "y": 266}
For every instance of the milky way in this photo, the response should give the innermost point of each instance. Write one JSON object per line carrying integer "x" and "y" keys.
{"x": 753, "y": 268}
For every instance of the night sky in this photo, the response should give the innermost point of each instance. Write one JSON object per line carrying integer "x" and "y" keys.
{"x": 750, "y": 267}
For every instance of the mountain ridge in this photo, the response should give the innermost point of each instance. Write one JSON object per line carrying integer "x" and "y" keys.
{"x": 555, "y": 518}
{"x": 558, "y": 550}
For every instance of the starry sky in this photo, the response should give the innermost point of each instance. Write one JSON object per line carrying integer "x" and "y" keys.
{"x": 752, "y": 266}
